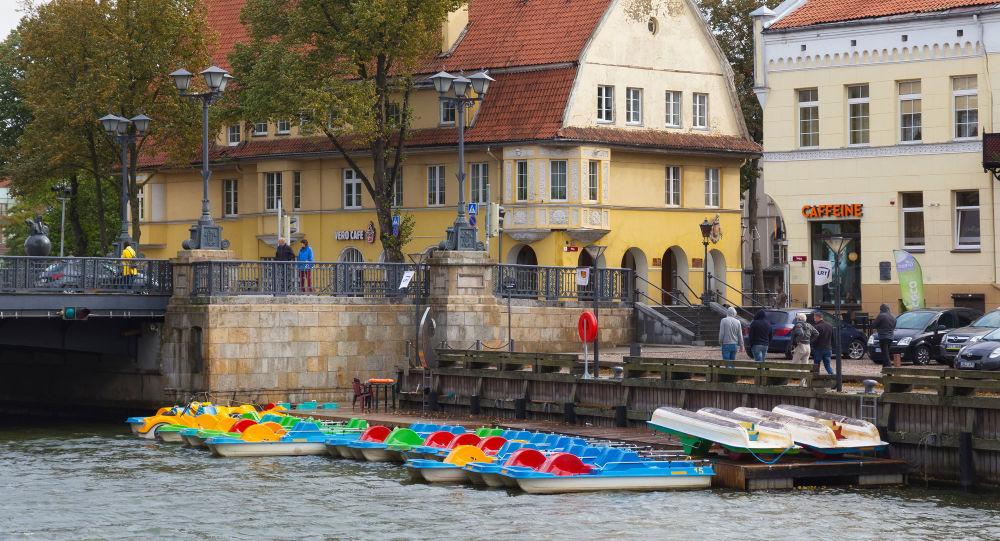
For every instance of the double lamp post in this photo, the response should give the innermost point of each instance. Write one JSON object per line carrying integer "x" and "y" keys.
{"x": 125, "y": 131}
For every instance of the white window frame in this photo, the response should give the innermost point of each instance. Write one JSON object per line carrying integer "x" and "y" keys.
{"x": 803, "y": 106}
{"x": 296, "y": 190}
{"x": 699, "y": 111}
{"x": 230, "y": 197}
{"x": 259, "y": 129}
{"x": 521, "y": 180}
{"x": 562, "y": 177}
{"x": 235, "y": 133}
{"x": 958, "y": 221}
{"x": 443, "y": 110}
{"x": 272, "y": 190}
{"x": 435, "y": 185}
{"x": 674, "y": 103}
{"x": 919, "y": 116}
{"x": 633, "y": 106}
{"x": 673, "y": 186}
{"x": 397, "y": 190}
{"x": 956, "y": 94}
{"x": 605, "y": 104}
{"x": 911, "y": 211}
{"x": 713, "y": 187}
{"x": 479, "y": 183}
{"x": 352, "y": 189}
{"x": 593, "y": 180}
{"x": 140, "y": 200}
{"x": 283, "y": 127}
{"x": 859, "y": 101}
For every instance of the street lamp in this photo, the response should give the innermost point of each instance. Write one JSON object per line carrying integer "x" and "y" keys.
{"x": 706, "y": 236}
{"x": 596, "y": 251}
{"x": 205, "y": 235}
{"x": 453, "y": 90}
{"x": 837, "y": 244}
{"x": 125, "y": 131}
{"x": 63, "y": 193}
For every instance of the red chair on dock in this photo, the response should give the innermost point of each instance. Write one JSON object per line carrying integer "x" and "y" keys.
{"x": 362, "y": 392}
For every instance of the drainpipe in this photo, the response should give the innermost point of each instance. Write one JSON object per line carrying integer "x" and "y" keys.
{"x": 489, "y": 152}
{"x": 989, "y": 90}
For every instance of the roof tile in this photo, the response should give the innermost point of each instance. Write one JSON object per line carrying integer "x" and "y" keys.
{"x": 828, "y": 11}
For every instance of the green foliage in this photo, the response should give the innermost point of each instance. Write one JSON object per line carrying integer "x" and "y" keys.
{"x": 338, "y": 65}
{"x": 407, "y": 223}
{"x": 14, "y": 113}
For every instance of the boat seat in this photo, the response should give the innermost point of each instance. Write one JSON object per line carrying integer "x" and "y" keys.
{"x": 563, "y": 464}
{"x": 242, "y": 425}
{"x": 539, "y": 438}
{"x": 258, "y": 433}
{"x": 376, "y": 433}
{"x": 404, "y": 436}
{"x": 440, "y": 439}
{"x": 526, "y": 458}
{"x": 491, "y": 444}
{"x": 455, "y": 429}
{"x": 304, "y": 427}
{"x": 467, "y": 438}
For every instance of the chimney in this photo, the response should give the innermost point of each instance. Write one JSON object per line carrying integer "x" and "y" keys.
{"x": 761, "y": 17}
{"x": 453, "y": 26}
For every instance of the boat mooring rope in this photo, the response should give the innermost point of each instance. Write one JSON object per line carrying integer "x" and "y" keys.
{"x": 770, "y": 462}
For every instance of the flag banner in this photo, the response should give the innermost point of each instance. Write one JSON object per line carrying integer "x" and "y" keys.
{"x": 911, "y": 279}
{"x": 822, "y": 272}
{"x": 582, "y": 276}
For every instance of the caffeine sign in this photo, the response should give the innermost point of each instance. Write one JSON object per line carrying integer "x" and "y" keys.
{"x": 833, "y": 211}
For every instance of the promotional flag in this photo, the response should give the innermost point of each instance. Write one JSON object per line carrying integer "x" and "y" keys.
{"x": 582, "y": 276}
{"x": 823, "y": 272}
{"x": 911, "y": 279}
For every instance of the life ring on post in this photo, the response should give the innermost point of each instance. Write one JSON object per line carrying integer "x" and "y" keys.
{"x": 586, "y": 326}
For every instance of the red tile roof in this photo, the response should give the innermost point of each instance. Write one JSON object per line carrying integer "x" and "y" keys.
{"x": 506, "y": 33}
{"x": 660, "y": 140}
{"x": 829, "y": 11}
{"x": 223, "y": 16}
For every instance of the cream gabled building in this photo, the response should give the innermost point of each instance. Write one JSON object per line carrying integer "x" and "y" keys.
{"x": 873, "y": 123}
{"x": 601, "y": 128}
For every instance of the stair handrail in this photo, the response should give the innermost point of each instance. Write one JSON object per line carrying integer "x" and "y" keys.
{"x": 691, "y": 325}
{"x": 688, "y": 286}
{"x": 753, "y": 303}
{"x": 675, "y": 295}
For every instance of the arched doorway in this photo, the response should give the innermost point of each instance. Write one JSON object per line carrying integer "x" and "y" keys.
{"x": 673, "y": 270}
{"x": 716, "y": 265}
{"x": 524, "y": 255}
{"x": 635, "y": 260}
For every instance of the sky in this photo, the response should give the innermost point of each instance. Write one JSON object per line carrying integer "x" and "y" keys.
{"x": 10, "y": 14}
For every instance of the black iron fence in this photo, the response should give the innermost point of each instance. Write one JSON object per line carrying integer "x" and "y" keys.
{"x": 561, "y": 283}
{"x": 369, "y": 280}
{"x": 20, "y": 274}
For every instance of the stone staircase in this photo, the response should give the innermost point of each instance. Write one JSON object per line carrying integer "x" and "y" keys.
{"x": 701, "y": 321}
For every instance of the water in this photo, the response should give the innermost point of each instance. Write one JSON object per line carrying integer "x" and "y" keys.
{"x": 100, "y": 482}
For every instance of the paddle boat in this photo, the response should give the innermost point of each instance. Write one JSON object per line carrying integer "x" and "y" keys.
{"x": 614, "y": 469}
{"x": 819, "y": 438}
{"x": 448, "y": 470}
{"x": 345, "y": 447}
{"x": 390, "y": 449}
{"x": 858, "y": 431}
{"x": 305, "y": 438}
{"x": 698, "y": 432}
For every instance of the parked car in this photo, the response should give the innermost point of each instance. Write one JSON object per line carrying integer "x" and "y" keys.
{"x": 984, "y": 354}
{"x": 919, "y": 333}
{"x": 783, "y": 319}
{"x": 954, "y": 341}
{"x": 67, "y": 275}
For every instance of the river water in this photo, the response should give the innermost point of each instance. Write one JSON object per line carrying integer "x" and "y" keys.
{"x": 85, "y": 481}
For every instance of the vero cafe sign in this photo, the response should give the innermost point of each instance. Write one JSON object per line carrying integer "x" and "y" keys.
{"x": 811, "y": 212}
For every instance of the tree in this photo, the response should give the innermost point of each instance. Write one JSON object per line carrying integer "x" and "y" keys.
{"x": 14, "y": 113}
{"x": 340, "y": 66}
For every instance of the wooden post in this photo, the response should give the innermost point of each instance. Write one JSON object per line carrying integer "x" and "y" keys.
{"x": 520, "y": 408}
{"x": 621, "y": 416}
{"x": 966, "y": 464}
{"x": 569, "y": 413}
{"x": 474, "y": 407}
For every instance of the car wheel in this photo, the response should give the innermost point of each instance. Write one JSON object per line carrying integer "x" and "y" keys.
{"x": 856, "y": 350}
{"x": 921, "y": 355}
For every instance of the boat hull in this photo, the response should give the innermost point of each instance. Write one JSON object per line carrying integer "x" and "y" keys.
{"x": 171, "y": 436}
{"x": 376, "y": 454}
{"x": 593, "y": 483}
{"x": 474, "y": 477}
{"x": 149, "y": 434}
{"x": 493, "y": 480}
{"x": 267, "y": 449}
{"x": 444, "y": 475}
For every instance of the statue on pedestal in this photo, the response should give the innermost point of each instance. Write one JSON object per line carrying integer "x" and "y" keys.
{"x": 38, "y": 243}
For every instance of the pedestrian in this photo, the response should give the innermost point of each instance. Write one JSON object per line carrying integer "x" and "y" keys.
{"x": 283, "y": 272}
{"x": 802, "y": 335}
{"x": 305, "y": 269}
{"x": 730, "y": 336}
{"x": 128, "y": 271}
{"x": 760, "y": 336}
{"x": 822, "y": 346}
{"x": 885, "y": 327}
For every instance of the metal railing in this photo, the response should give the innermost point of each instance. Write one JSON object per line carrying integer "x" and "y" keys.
{"x": 367, "y": 280}
{"x": 560, "y": 283}
{"x": 672, "y": 313}
{"x": 23, "y": 274}
{"x": 682, "y": 294}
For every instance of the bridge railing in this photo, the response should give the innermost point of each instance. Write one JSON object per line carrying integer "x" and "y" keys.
{"x": 367, "y": 280}
{"x": 560, "y": 283}
{"x": 22, "y": 274}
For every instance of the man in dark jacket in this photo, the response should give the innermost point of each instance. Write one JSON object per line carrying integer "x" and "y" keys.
{"x": 283, "y": 272}
{"x": 885, "y": 326}
{"x": 760, "y": 336}
{"x": 822, "y": 346}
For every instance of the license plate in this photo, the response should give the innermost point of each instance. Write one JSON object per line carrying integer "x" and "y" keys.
{"x": 878, "y": 350}
{"x": 966, "y": 364}
{"x": 954, "y": 348}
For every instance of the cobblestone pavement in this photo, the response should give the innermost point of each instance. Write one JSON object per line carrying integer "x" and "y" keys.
{"x": 862, "y": 367}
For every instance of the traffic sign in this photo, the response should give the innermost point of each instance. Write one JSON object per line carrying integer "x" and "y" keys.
{"x": 395, "y": 225}
{"x": 473, "y": 209}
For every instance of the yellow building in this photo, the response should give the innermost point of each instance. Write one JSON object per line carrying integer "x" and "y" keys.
{"x": 601, "y": 128}
{"x": 873, "y": 122}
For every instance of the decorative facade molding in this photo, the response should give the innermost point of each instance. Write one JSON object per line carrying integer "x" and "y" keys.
{"x": 587, "y": 236}
{"x": 964, "y": 147}
{"x": 574, "y": 180}
{"x": 510, "y": 195}
{"x": 559, "y": 217}
{"x": 528, "y": 236}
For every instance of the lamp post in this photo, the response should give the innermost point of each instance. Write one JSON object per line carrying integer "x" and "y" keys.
{"x": 205, "y": 235}
{"x": 596, "y": 252}
{"x": 62, "y": 195}
{"x": 125, "y": 131}
{"x": 706, "y": 236}
{"x": 837, "y": 244}
{"x": 453, "y": 90}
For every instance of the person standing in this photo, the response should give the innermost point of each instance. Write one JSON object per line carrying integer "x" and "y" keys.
{"x": 283, "y": 272}
{"x": 802, "y": 336}
{"x": 305, "y": 258}
{"x": 760, "y": 336}
{"x": 730, "y": 336}
{"x": 885, "y": 327}
{"x": 129, "y": 272}
{"x": 822, "y": 346}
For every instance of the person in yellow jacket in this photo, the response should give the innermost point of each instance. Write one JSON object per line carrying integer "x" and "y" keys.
{"x": 128, "y": 271}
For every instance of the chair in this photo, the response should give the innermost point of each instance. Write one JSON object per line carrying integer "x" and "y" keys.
{"x": 363, "y": 392}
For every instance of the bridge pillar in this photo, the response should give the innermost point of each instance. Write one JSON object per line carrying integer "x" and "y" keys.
{"x": 182, "y": 267}
{"x": 462, "y": 300}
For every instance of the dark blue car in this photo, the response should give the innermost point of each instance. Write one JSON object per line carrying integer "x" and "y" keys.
{"x": 783, "y": 319}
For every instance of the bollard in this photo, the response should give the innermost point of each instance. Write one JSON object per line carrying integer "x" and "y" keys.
{"x": 569, "y": 413}
{"x": 432, "y": 400}
{"x": 621, "y": 416}
{"x": 474, "y": 407}
{"x": 967, "y": 466}
{"x": 520, "y": 408}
